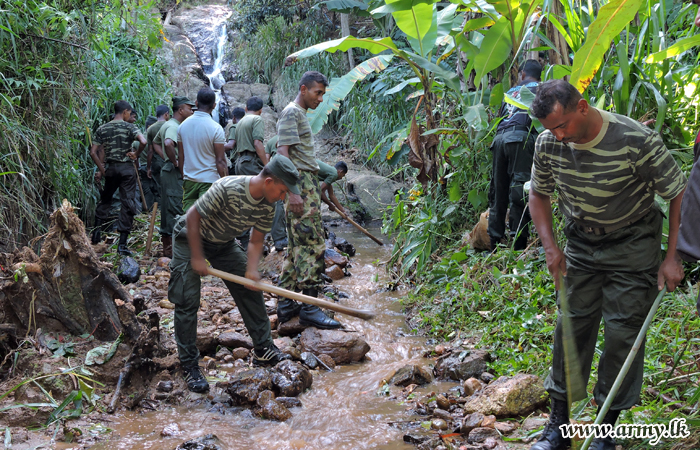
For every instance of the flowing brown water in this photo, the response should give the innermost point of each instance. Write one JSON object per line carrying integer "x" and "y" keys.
{"x": 343, "y": 409}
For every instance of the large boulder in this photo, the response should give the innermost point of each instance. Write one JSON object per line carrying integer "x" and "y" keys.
{"x": 270, "y": 119}
{"x": 203, "y": 27}
{"x": 262, "y": 91}
{"x": 374, "y": 192}
{"x": 291, "y": 327}
{"x": 343, "y": 346}
{"x": 462, "y": 365}
{"x": 179, "y": 54}
{"x": 236, "y": 92}
{"x": 233, "y": 339}
{"x": 291, "y": 379}
{"x": 509, "y": 397}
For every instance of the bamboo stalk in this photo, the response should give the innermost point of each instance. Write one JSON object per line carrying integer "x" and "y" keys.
{"x": 143, "y": 197}
{"x": 149, "y": 241}
{"x": 361, "y": 313}
{"x": 357, "y": 225}
{"x": 626, "y": 366}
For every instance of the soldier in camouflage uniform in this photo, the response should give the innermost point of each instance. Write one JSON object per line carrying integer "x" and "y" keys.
{"x": 155, "y": 161}
{"x": 112, "y": 141}
{"x": 230, "y": 133}
{"x": 232, "y": 204}
{"x": 279, "y": 224}
{"x": 304, "y": 262}
{"x": 171, "y": 192}
{"x": 607, "y": 169}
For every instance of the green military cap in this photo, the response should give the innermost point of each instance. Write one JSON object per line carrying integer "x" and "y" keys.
{"x": 283, "y": 168}
{"x": 178, "y": 101}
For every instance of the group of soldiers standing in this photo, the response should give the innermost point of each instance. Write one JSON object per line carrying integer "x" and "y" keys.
{"x": 207, "y": 215}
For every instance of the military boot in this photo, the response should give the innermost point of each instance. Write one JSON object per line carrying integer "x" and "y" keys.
{"x": 96, "y": 236}
{"x": 167, "y": 246}
{"x": 606, "y": 443}
{"x": 286, "y": 309}
{"x": 312, "y": 315}
{"x": 552, "y": 438}
{"x": 494, "y": 243}
{"x": 122, "y": 249}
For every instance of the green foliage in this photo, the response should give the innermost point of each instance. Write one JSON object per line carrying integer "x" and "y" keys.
{"x": 67, "y": 63}
{"x": 252, "y": 14}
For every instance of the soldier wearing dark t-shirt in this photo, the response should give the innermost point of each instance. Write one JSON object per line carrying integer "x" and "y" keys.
{"x": 513, "y": 148}
{"x": 112, "y": 141}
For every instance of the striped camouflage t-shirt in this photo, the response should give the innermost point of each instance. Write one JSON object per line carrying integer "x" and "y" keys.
{"x": 294, "y": 130}
{"x": 228, "y": 209}
{"x": 116, "y": 138}
{"x": 612, "y": 179}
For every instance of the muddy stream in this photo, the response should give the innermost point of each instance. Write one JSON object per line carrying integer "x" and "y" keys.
{"x": 344, "y": 408}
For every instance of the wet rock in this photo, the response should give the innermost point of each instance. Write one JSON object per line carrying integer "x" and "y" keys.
{"x": 165, "y": 386}
{"x": 291, "y": 379}
{"x": 374, "y": 192}
{"x": 440, "y": 349}
{"x": 129, "y": 270}
{"x": 291, "y": 327}
{"x": 289, "y": 402}
{"x": 470, "y": 386}
{"x": 327, "y": 360}
{"x": 240, "y": 353}
{"x": 533, "y": 423}
{"x": 487, "y": 377}
{"x": 462, "y": 365}
{"x": 344, "y": 246}
{"x": 171, "y": 430}
{"x": 206, "y": 442}
{"x": 438, "y": 424}
{"x": 490, "y": 443}
{"x": 206, "y": 341}
{"x": 333, "y": 258}
{"x": 272, "y": 409}
{"x": 442, "y": 414}
{"x": 505, "y": 427}
{"x": 478, "y": 435}
{"x": 344, "y": 347}
{"x": 222, "y": 353}
{"x": 246, "y": 386}
{"x": 217, "y": 82}
{"x": 166, "y": 304}
{"x": 228, "y": 359}
{"x": 442, "y": 402}
{"x": 411, "y": 374}
{"x": 335, "y": 273}
{"x": 234, "y": 339}
{"x": 470, "y": 422}
{"x": 489, "y": 422}
{"x": 310, "y": 360}
{"x": 162, "y": 396}
{"x": 509, "y": 396}
{"x": 273, "y": 321}
{"x": 417, "y": 437}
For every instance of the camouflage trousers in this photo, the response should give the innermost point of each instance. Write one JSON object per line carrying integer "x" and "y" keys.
{"x": 171, "y": 198}
{"x": 304, "y": 262}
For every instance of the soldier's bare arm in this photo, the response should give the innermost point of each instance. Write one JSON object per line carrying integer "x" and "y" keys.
{"x": 220, "y": 154}
{"x": 671, "y": 270}
{"x": 541, "y": 212}
{"x": 255, "y": 249}
{"x": 296, "y": 204}
{"x": 197, "y": 261}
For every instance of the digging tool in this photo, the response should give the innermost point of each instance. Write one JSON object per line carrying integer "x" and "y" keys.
{"x": 357, "y": 225}
{"x": 626, "y": 366}
{"x": 361, "y": 313}
{"x": 572, "y": 366}
{"x": 150, "y": 228}
{"x": 143, "y": 197}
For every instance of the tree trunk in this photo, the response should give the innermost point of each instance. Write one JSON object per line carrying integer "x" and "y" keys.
{"x": 345, "y": 29}
{"x": 560, "y": 54}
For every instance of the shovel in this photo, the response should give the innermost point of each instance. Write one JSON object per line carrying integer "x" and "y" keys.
{"x": 361, "y": 313}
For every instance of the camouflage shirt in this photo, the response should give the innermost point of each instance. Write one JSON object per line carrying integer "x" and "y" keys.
{"x": 610, "y": 180}
{"x": 327, "y": 173}
{"x": 228, "y": 209}
{"x": 116, "y": 139}
{"x": 151, "y": 134}
{"x": 249, "y": 129}
{"x": 294, "y": 130}
{"x": 167, "y": 131}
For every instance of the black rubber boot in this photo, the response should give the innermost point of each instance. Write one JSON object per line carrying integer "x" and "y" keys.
{"x": 286, "y": 309}
{"x": 313, "y": 316}
{"x": 269, "y": 356}
{"x": 122, "y": 249}
{"x": 521, "y": 242}
{"x": 552, "y": 438}
{"x": 195, "y": 380}
{"x": 606, "y": 443}
{"x": 494, "y": 243}
{"x": 96, "y": 236}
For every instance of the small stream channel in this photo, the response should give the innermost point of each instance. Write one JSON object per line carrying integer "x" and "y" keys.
{"x": 343, "y": 409}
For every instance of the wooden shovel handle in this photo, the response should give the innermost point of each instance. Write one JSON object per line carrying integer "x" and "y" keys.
{"x": 361, "y": 313}
{"x": 357, "y": 225}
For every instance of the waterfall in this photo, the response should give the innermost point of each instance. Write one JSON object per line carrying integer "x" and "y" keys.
{"x": 219, "y": 53}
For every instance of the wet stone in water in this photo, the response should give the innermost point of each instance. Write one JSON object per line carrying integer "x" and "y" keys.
{"x": 442, "y": 402}
{"x": 344, "y": 246}
{"x": 289, "y": 402}
{"x": 310, "y": 360}
{"x": 246, "y": 386}
{"x": 480, "y": 434}
{"x": 327, "y": 360}
{"x": 462, "y": 365}
{"x": 438, "y": 424}
{"x": 411, "y": 374}
{"x": 206, "y": 442}
{"x": 470, "y": 422}
{"x": 470, "y": 386}
{"x": 165, "y": 386}
{"x": 442, "y": 414}
{"x": 291, "y": 379}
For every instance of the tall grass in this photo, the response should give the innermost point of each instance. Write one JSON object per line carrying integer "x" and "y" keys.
{"x": 63, "y": 66}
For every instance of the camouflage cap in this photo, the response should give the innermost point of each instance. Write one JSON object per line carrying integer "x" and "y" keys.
{"x": 283, "y": 168}
{"x": 178, "y": 101}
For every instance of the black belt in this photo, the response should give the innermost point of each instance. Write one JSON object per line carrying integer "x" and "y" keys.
{"x": 516, "y": 128}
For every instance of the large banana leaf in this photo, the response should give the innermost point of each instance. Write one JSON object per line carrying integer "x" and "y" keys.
{"x": 343, "y": 44}
{"x": 676, "y": 49}
{"x": 339, "y": 88}
{"x": 417, "y": 19}
{"x": 347, "y": 6}
{"x": 611, "y": 20}
{"x": 451, "y": 78}
{"x": 495, "y": 48}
